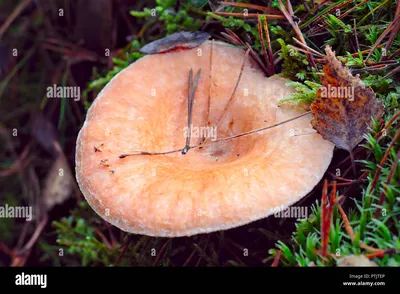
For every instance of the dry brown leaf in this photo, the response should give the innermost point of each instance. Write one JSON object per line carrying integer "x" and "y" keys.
{"x": 344, "y": 106}
{"x": 177, "y": 41}
{"x": 59, "y": 183}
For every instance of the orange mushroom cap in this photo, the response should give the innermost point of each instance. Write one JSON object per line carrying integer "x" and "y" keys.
{"x": 219, "y": 186}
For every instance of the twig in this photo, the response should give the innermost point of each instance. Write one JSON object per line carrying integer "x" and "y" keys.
{"x": 260, "y": 33}
{"x": 276, "y": 259}
{"x": 5, "y": 249}
{"x": 17, "y": 11}
{"x": 161, "y": 252}
{"x": 380, "y": 253}
{"x": 235, "y": 39}
{"x": 124, "y": 248}
{"x": 192, "y": 86}
{"x": 384, "y": 158}
{"x": 252, "y": 6}
{"x": 103, "y": 238}
{"x": 326, "y": 216}
{"x": 353, "y": 163}
{"x": 36, "y": 234}
{"x": 249, "y": 15}
{"x": 308, "y": 48}
{"x": 350, "y": 231}
{"x": 234, "y": 89}
{"x": 271, "y": 66}
{"x": 295, "y": 27}
{"x": 317, "y": 29}
{"x": 233, "y": 93}
{"x": 219, "y": 140}
{"x": 395, "y": 30}
{"x": 305, "y": 51}
{"x": 356, "y": 37}
{"x": 383, "y": 35}
{"x": 389, "y": 179}
{"x": 389, "y": 123}
{"x": 316, "y": 7}
{"x": 392, "y": 72}
{"x": 209, "y": 91}
{"x": 189, "y": 258}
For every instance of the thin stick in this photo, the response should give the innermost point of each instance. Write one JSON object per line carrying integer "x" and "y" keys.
{"x": 288, "y": 16}
{"x": 381, "y": 253}
{"x": 17, "y": 11}
{"x": 353, "y": 163}
{"x": 190, "y": 85}
{"x": 36, "y": 234}
{"x": 340, "y": 178}
{"x": 309, "y": 133}
{"x": 209, "y": 91}
{"x": 382, "y": 162}
{"x": 324, "y": 216}
{"x": 260, "y": 33}
{"x": 233, "y": 93}
{"x": 356, "y": 37}
{"x": 305, "y": 51}
{"x": 394, "y": 31}
{"x": 394, "y": 117}
{"x": 191, "y": 92}
{"x": 383, "y": 35}
{"x": 235, "y": 39}
{"x": 276, "y": 259}
{"x": 249, "y": 15}
{"x": 308, "y": 48}
{"x": 150, "y": 153}
{"x": 261, "y": 129}
{"x": 389, "y": 179}
{"x": 124, "y": 247}
{"x": 350, "y": 231}
{"x": 271, "y": 66}
{"x": 236, "y": 86}
{"x": 252, "y": 6}
{"x": 219, "y": 140}
{"x": 161, "y": 251}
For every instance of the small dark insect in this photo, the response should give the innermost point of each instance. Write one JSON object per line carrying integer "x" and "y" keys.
{"x": 178, "y": 41}
{"x": 296, "y": 19}
{"x": 104, "y": 162}
{"x": 98, "y": 149}
{"x": 112, "y": 171}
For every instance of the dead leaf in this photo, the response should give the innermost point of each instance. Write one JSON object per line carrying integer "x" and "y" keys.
{"x": 355, "y": 260}
{"x": 59, "y": 183}
{"x": 180, "y": 40}
{"x": 344, "y": 106}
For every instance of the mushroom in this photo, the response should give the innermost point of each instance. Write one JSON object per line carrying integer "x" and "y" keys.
{"x": 218, "y": 185}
